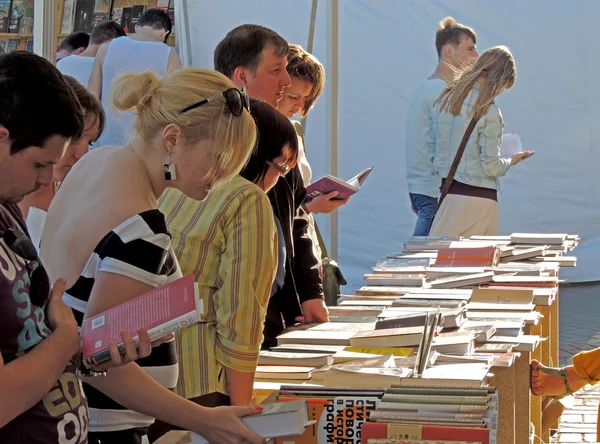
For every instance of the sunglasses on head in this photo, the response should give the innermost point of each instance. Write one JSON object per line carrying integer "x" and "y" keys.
{"x": 21, "y": 245}
{"x": 236, "y": 101}
{"x": 281, "y": 169}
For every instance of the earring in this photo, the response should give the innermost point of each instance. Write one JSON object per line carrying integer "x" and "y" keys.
{"x": 170, "y": 173}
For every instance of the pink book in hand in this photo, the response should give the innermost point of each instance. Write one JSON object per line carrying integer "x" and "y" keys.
{"x": 330, "y": 183}
{"x": 161, "y": 311}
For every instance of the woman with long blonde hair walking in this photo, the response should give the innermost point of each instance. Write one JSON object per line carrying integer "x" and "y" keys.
{"x": 466, "y": 134}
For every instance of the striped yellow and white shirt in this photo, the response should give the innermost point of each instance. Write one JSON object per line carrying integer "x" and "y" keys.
{"x": 229, "y": 243}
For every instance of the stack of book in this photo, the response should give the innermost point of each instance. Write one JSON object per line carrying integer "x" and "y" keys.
{"x": 419, "y": 339}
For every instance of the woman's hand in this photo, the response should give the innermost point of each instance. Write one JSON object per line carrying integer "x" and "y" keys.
{"x": 325, "y": 203}
{"x": 132, "y": 352}
{"x": 517, "y": 157}
{"x": 224, "y": 426}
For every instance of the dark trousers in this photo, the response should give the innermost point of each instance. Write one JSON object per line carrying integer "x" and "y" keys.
{"x": 160, "y": 428}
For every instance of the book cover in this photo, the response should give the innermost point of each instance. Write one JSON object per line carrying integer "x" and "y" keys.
{"x": 289, "y": 418}
{"x": 136, "y": 14}
{"x": 335, "y": 418}
{"x": 102, "y": 6}
{"x": 84, "y": 12}
{"x": 161, "y": 311}
{"x": 330, "y": 183}
{"x": 117, "y": 15}
{"x": 316, "y": 337}
{"x": 468, "y": 257}
{"x": 428, "y": 432}
{"x": 278, "y": 372}
{"x": 4, "y": 15}
{"x": 68, "y": 17}
{"x": 126, "y": 20}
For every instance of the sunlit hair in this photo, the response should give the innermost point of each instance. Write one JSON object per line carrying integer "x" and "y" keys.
{"x": 449, "y": 33}
{"x": 92, "y": 108}
{"x": 158, "y": 103}
{"x": 493, "y": 70}
{"x": 303, "y": 65}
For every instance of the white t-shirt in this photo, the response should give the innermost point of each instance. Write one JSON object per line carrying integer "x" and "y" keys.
{"x": 79, "y": 67}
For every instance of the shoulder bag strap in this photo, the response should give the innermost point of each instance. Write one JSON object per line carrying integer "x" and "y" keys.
{"x": 454, "y": 166}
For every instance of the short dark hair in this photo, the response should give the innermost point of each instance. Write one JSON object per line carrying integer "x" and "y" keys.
{"x": 37, "y": 101}
{"x": 449, "y": 32}
{"x": 75, "y": 41}
{"x": 92, "y": 108}
{"x": 157, "y": 19}
{"x": 275, "y": 132}
{"x": 243, "y": 46}
{"x": 106, "y": 30}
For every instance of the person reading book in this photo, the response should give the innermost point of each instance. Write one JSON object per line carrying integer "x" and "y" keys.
{"x": 255, "y": 57}
{"x": 456, "y": 46}
{"x": 93, "y": 115}
{"x": 105, "y": 234}
{"x": 40, "y": 397}
{"x": 469, "y": 199}
{"x": 307, "y": 75}
{"x": 231, "y": 245}
{"x": 307, "y": 82}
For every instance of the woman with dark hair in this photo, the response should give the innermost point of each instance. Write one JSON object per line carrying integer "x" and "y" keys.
{"x": 230, "y": 243}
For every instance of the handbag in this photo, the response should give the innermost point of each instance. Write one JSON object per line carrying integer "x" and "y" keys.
{"x": 454, "y": 166}
{"x": 333, "y": 278}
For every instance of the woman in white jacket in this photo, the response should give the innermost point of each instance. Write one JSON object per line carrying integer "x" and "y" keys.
{"x": 471, "y": 206}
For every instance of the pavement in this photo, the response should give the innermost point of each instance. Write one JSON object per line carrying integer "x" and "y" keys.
{"x": 579, "y": 329}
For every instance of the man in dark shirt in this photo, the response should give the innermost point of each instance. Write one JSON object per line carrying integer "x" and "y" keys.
{"x": 41, "y": 400}
{"x": 255, "y": 57}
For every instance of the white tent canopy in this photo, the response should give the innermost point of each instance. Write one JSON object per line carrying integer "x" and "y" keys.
{"x": 386, "y": 48}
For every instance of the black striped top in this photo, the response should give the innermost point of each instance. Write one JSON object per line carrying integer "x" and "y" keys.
{"x": 139, "y": 248}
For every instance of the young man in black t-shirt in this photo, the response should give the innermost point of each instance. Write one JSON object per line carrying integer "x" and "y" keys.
{"x": 41, "y": 400}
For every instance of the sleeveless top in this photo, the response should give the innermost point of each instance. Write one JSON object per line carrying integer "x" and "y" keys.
{"x": 139, "y": 248}
{"x": 126, "y": 55}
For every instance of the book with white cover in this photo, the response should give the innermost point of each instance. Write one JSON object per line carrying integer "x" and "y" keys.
{"x": 276, "y": 420}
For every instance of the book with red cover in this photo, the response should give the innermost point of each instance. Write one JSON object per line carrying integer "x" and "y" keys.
{"x": 161, "y": 311}
{"x": 331, "y": 183}
{"x": 468, "y": 257}
{"x": 374, "y": 430}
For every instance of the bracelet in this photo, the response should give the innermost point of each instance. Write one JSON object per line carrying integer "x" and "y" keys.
{"x": 88, "y": 373}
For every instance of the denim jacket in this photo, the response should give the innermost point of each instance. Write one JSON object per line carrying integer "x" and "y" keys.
{"x": 481, "y": 164}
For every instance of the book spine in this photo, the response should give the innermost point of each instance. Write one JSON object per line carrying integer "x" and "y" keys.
{"x": 492, "y": 415}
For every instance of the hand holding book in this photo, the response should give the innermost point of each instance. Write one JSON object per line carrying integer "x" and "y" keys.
{"x": 325, "y": 203}
{"x": 518, "y": 157}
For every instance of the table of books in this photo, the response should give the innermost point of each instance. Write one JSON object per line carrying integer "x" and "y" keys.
{"x": 435, "y": 347}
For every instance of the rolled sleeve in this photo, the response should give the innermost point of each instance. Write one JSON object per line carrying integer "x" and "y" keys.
{"x": 490, "y": 139}
{"x": 247, "y": 269}
{"x": 587, "y": 365}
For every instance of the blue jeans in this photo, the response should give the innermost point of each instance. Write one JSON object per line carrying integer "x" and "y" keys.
{"x": 426, "y": 207}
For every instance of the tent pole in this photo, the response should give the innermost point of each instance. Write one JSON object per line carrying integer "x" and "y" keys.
{"x": 44, "y": 29}
{"x": 310, "y": 44}
{"x": 333, "y": 9}
{"x": 182, "y": 32}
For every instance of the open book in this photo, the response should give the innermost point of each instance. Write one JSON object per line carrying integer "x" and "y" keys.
{"x": 330, "y": 183}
